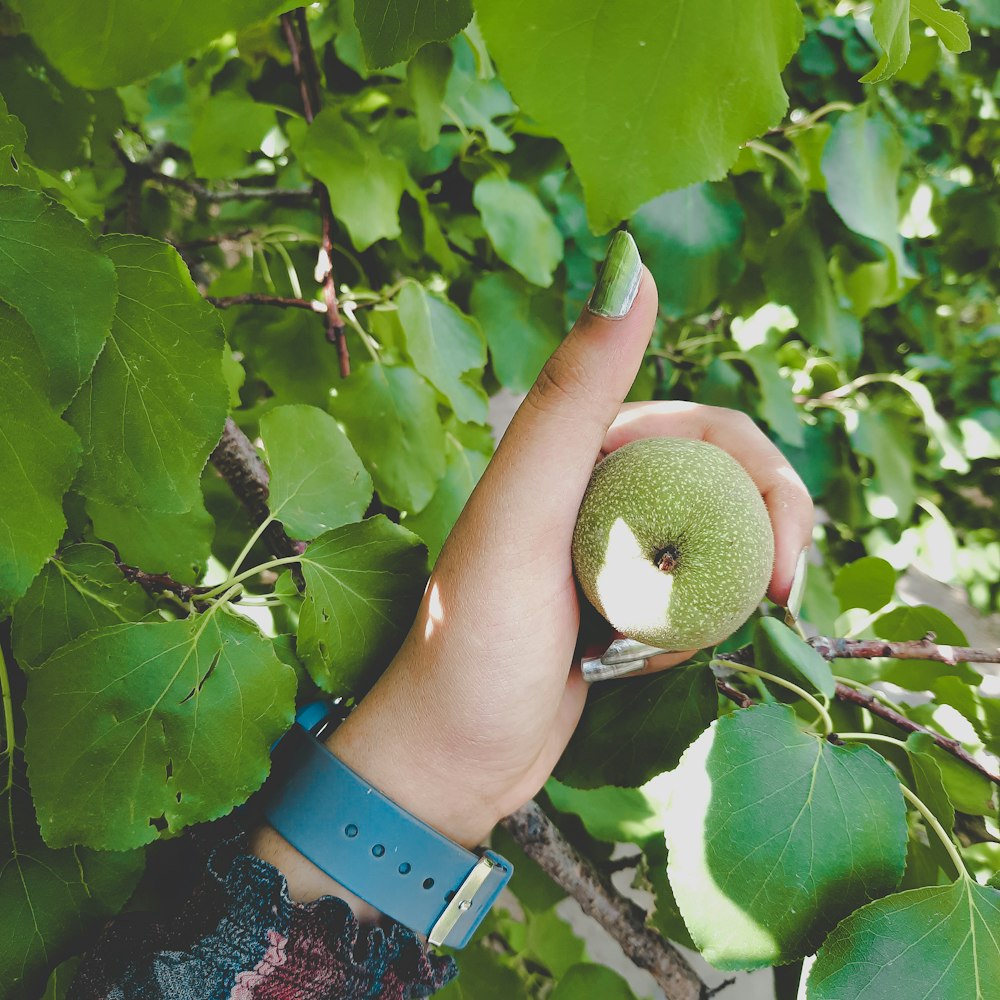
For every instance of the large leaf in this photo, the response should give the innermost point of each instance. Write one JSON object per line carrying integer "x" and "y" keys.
{"x": 523, "y": 234}
{"x": 617, "y": 815}
{"x": 929, "y": 786}
{"x": 99, "y": 45}
{"x": 393, "y": 30}
{"x": 153, "y": 409}
{"x": 861, "y": 164}
{"x": 523, "y": 326}
{"x": 797, "y": 275}
{"x": 586, "y": 981}
{"x": 54, "y": 274}
{"x": 925, "y": 944}
{"x": 364, "y": 183}
{"x": 80, "y": 590}
{"x": 228, "y": 127}
{"x": 39, "y": 455}
{"x": 867, "y": 583}
{"x": 891, "y": 24}
{"x": 53, "y": 900}
{"x": 632, "y": 730}
{"x": 363, "y": 584}
{"x": 391, "y": 417}
{"x": 775, "y": 834}
{"x": 317, "y": 480}
{"x": 648, "y": 97}
{"x": 690, "y": 241}
{"x": 138, "y": 727}
{"x": 447, "y": 348}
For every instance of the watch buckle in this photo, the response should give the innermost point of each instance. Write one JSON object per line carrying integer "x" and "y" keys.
{"x": 462, "y": 900}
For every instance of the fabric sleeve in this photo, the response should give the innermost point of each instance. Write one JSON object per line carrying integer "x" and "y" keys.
{"x": 240, "y": 937}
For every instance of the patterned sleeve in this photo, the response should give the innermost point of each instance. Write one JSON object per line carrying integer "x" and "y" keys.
{"x": 240, "y": 937}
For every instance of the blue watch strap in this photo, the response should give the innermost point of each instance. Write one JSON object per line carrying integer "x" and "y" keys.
{"x": 382, "y": 853}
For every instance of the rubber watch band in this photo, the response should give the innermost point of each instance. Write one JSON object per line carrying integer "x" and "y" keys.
{"x": 367, "y": 843}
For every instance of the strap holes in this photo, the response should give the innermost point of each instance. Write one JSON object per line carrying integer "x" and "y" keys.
{"x": 351, "y": 830}
{"x": 378, "y": 850}
{"x": 428, "y": 883}
{"x": 404, "y": 868}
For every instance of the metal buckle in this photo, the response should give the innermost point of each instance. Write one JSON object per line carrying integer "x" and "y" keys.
{"x": 462, "y": 900}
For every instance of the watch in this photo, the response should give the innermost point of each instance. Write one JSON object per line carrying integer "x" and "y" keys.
{"x": 367, "y": 843}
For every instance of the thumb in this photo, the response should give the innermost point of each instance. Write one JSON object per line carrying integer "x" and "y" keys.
{"x": 547, "y": 454}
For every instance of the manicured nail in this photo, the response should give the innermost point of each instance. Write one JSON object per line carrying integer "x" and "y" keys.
{"x": 618, "y": 281}
{"x": 798, "y": 586}
{"x": 594, "y": 670}
{"x": 625, "y": 650}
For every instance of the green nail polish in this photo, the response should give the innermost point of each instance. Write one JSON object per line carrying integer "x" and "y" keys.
{"x": 618, "y": 281}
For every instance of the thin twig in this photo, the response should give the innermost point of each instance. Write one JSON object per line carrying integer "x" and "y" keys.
{"x": 157, "y": 583}
{"x": 252, "y": 299}
{"x": 295, "y": 27}
{"x": 916, "y": 649}
{"x": 738, "y": 697}
{"x": 289, "y": 196}
{"x": 622, "y": 918}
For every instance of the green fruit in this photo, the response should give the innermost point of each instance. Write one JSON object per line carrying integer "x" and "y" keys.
{"x": 673, "y": 543}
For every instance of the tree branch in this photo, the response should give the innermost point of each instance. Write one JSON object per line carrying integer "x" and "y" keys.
{"x": 289, "y": 196}
{"x": 239, "y": 464}
{"x": 916, "y": 649}
{"x": 295, "y": 27}
{"x": 252, "y": 299}
{"x": 623, "y": 919}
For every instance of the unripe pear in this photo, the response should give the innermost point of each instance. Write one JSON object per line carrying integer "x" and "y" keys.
{"x": 673, "y": 543}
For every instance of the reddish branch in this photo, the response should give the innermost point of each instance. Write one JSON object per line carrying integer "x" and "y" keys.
{"x": 296, "y": 31}
{"x": 252, "y": 299}
{"x": 623, "y": 919}
{"x": 917, "y": 649}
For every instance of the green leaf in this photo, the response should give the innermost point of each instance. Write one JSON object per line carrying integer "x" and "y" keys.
{"x": 39, "y": 455}
{"x": 98, "y": 46}
{"x": 317, "y": 480}
{"x": 522, "y": 232}
{"x": 646, "y": 100}
{"x": 54, "y": 274}
{"x": 690, "y": 241}
{"x": 778, "y": 650}
{"x": 364, "y": 184}
{"x": 14, "y": 167}
{"x": 57, "y": 988}
{"x": 467, "y": 453}
{"x": 775, "y": 834}
{"x": 891, "y": 25}
{"x": 523, "y": 326}
{"x": 80, "y": 590}
{"x": 156, "y": 724}
{"x": 393, "y": 30}
{"x": 651, "y": 875}
{"x": 867, "y": 583}
{"x": 633, "y": 730}
{"x": 482, "y": 975}
{"x": 587, "y": 981}
{"x": 447, "y": 348}
{"x": 923, "y": 944}
{"x": 617, "y": 815}
{"x": 797, "y": 275}
{"x": 158, "y": 380}
{"x": 861, "y": 163}
{"x": 879, "y": 436}
{"x": 549, "y": 940}
{"x": 390, "y": 414}
{"x": 533, "y": 888}
{"x": 477, "y": 100}
{"x": 948, "y": 25}
{"x": 229, "y": 126}
{"x": 427, "y": 76}
{"x": 53, "y": 900}
{"x": 904, "y": 624}
{"x": 931, "y": 790}
{"x": 363, "y": 584}
{"x": 777, "y": 405}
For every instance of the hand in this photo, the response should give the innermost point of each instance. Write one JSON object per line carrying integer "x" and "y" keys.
{"x": 472, "y": 714}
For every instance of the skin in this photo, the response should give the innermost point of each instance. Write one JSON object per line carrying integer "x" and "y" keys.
{"x": 472, "y": 714}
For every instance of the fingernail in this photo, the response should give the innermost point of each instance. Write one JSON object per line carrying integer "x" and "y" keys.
{"x": 618, "y": 282}
{"x": 798, "y": 586}
{"x": 594, "y": 670}
{"x": 624, "y": 650}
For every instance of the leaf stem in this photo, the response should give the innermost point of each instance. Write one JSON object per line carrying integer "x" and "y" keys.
{"x": 227, "y": 585}
{"x": 932, "y": 821}
{"x": 875, "y": 737}
{"x": 245, "y": 551}
{"x": 788, "y": 685}
{"x": 8, "y": 720}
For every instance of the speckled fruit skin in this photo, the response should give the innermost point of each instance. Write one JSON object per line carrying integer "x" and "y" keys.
{"x": 693, "y": 501}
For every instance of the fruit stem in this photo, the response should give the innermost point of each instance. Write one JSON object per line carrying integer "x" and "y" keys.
{"x": 781, "y": 682}
{"x": 932, "y": 821}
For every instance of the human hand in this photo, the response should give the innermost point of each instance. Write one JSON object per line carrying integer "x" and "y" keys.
{"x": 472, "y": 714}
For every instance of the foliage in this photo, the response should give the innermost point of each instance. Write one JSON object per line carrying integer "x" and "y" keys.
{"x": 813, "y": 191}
